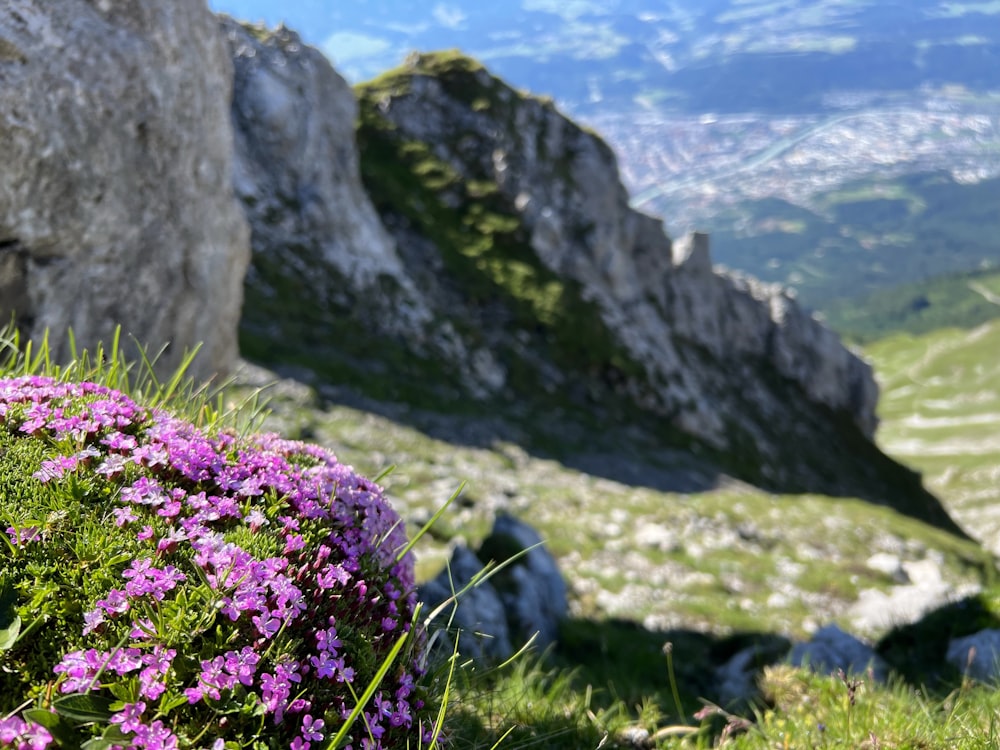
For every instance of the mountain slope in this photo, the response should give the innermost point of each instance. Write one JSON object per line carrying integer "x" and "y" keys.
{"x": 536, "y": 240}
{"x": 942, "y": 409}
{"x": 515, "y": 283}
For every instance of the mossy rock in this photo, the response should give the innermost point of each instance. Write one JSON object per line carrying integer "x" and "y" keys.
{"x": 165, "y": 586}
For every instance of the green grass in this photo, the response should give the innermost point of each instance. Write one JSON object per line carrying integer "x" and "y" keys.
{"x": 950, "y": 301}
{"x": 708, "y": 590}
{"x": 940, "y": 409}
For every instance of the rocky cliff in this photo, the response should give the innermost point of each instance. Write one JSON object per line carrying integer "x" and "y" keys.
{"x": 522, "y": 215}
{"x": 325, "y": 271}
{"x": 501, "y": 262}
{"x": 116, "y": 200}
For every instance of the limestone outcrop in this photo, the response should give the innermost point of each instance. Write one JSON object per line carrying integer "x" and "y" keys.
{"x": 581, "y": 297}
{"x": 661, "y": 299}
{"x": 323, "y": 267}
{"x": 116, "y": 199}
{"x": 481, "y": 246}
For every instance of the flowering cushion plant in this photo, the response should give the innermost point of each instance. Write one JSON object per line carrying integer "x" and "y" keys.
{"x": 164, "y": 587}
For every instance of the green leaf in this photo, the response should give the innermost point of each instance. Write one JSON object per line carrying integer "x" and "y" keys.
{"x": 83, "y": 707}
{"x": 111, "y": 736}
{"x": 115, "y": 734}
{"x": 10, "y": 623}
{"x": 169, "y": 702}
{"x": 45, "y": 718}
{"x": 119, "y": 558}
{"x": 9, "y": 633}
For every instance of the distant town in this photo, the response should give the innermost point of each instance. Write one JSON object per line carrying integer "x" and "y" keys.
{"x": 689, "y": 168}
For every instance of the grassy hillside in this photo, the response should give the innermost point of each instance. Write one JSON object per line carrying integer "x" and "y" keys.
{"x": 863, "y": 237}
{"x": 714, "y": 569}
{"x": 941, "y": 415}
{"x": 950, "y": 301}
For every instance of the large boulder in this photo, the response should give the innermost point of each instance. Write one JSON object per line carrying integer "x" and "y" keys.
{"x": 977, "y": 655}
{"x": 116, "y": 200}
{"x": 831, "y": 649}
{"x": 476, "y": 616}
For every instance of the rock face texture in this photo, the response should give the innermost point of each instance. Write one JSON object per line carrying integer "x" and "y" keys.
{"x": 296, "y": 166}
{"x": 116, "y": 200}
{"x": 663, "y": 301}
{"x": 324, "y": 268}
{"x": 482, "y": 247}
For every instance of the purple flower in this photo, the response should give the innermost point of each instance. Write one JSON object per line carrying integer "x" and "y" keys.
{"x": 24, "y": 535}
{"x": 216, "y": 505}
{"x": 92, "y": 620}
{"x": 312, "y": 729}
{"x": 124, "y": 515}
{"x": 242, "y": 665}
{"x": 146, "y": 580}
{"x": 130, "y": 717}
{"x": 80, "y": 669}
{"x": 14, "y": 730}
{"x": 266, "y": 624}
{"x": 255, "y": 519}
{"x": 54, "y": 468}
{"x": 326, "y": 665}
{"x": 115, "y": 603}
{"x": 155, "y": 736}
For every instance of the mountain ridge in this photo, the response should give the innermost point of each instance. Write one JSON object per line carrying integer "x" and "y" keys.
{"x": 512, "y": 225}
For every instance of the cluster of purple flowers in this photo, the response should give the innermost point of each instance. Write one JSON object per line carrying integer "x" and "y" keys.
{"x": 293, "y": 556}
{"x": 23, "y": 735}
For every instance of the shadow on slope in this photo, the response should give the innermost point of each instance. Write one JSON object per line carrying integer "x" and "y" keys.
{"x": 615, "y": 440}
{"x": 917, "y": 650}
{"x": 602, "y": 678}
{"x": 607, "y": 677}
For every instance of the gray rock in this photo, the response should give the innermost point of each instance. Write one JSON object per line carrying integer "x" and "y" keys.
{"x": 977, "y": 655}
{"x": 116, "y": 200}
{"x": 320, "y": 251}
{"x": 296, "y": 169}
{"x": 831, "y": 649}
{"x": 889, "y": 564}
{"x": 532, "y": 588}
{"x": 736, "y": 679}
{"x": 525, "y": 599}
{"x": 478, "y": 619}
{"x": 662, "y": 299}
{"x": 925, "y": 589}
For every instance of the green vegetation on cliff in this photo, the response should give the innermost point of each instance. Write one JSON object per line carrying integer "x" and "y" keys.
{"x": 489, "y": 265}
